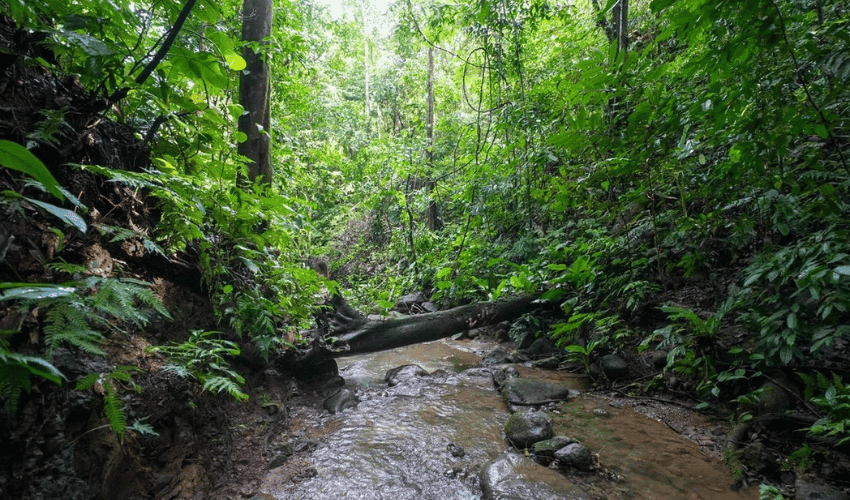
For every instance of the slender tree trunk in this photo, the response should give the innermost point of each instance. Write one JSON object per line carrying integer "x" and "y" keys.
{"x": 368, "y": 99}
{"x": 254, "y": 88}
{"x": 620, "y": 13}
{"x": 434, "y": 223}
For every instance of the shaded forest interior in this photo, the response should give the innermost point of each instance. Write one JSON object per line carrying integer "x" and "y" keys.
{"x": 667, "y": 177}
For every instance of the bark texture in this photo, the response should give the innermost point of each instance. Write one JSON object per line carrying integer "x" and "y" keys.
{"x": 362, "y": 337}
{"x": 254, "y": 88}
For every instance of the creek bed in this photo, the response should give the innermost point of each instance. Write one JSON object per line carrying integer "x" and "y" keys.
{"x": 395, "y": 444}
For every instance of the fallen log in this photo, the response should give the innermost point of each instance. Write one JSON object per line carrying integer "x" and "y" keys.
{"x": 360, "y": 336}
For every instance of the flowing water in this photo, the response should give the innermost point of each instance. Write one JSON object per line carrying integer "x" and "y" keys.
{"x": 395, "y": 444}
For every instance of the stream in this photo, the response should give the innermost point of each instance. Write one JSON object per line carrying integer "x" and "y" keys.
{"x": 395, "y": 444}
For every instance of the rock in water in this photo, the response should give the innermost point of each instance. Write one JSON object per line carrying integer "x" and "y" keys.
{"x": 523, "y": 429}
{"x": 496, "y": 357}
{"x": 512, "y": 476}
{"x": 404, "y": 373}
{"x": 340, "y": 401}
{"x": 529, "y": 391}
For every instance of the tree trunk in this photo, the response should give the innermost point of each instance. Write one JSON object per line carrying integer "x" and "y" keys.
{"x": 434, "y": 222}
{"x": 254, "y": 87}
{"x": 360, "y": 337}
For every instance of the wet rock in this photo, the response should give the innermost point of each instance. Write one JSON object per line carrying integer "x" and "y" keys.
{"x": 512, "y": 476}
{"x": 500, "y": 375}
{"x": 523, "y": 429}
{"x": 332, "y": 386}
{"x": 544, "y": 451}
{"x": 496, "y": 357}
{"x": 526, "y": 338}
{"x": 758, "y": 458}
{"x": 430, "y": 307}
{"x": 407, "y": 302}
{"x": 479, "y": 372}
{"x": 501, "y": 332}
{"x": 541, "y": 348}
{"x": 656, "y": 358}
{"x": 280, "y": 455}
{"x": 807, "y": 489}
{"x": 404, "y": 373}
{"x": 613, "y": 366}
{"x": 305, "y": 446}
{"x": 455, "y": 450}
{"x": 530, "y": 392}
{"x": 343, "y": 399}
{"x": 576, "y": 456}
{"x": 550, "y": 363}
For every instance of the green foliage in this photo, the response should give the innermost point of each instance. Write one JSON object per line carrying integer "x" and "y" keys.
{"x": 106, "y": 384}
{"x": 770, "y": 492}
{"x": 16, "y": 372}
{"x": 831, "y": 398}
{"x": 203, "y": 357}
{"x": 17, "y": 157}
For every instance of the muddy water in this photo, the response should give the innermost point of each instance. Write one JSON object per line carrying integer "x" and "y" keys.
{"x": 394, "y": 444}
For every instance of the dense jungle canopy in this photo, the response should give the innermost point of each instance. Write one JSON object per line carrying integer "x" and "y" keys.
{"x": 666, "y": 175}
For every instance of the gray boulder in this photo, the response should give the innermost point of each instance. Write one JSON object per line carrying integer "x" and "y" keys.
{"x": 404, "y": 373}
{"x": 544, "y": 451}
{"x": 576, "y": 456}
{"x": 523, "y": 429}
{"x": 613, "y": 366}
{"x": 809, "y": 490}
{"x": 532, "y": 392}
{"x": 340, "y": 401}
{"x": 541, "y": 348}
{"x": 496, "y": 357}
{"x": 512, "y": 476}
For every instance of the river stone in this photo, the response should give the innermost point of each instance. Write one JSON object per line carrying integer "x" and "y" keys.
{"x": 541, "y": 348}
{"x": 544, "y": 451}
{"x": 550, "y": 363}
{"x": 657, "y": 358}
{"x": 496, "y": 357}
{"x": 406, "y": 302}
{"x": 613, "y": 366}
{"x": 340, "y": 401}
{"x": 523, "y": 429}
{"x": 512, "y": 476}
{"x": 455, "y": 450}
{"x": 404, "y": 373}
{"x": 430, "y": 307}
{"x": 807, "y": 490}
{"x": 575, "y": 455}
{"x": 500, "y": 375}
{"x": 529, "y": 391}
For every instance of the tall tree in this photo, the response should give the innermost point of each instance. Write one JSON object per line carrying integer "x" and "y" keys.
{"x": 434, "y": 222}
{"x": 254, "y": 86}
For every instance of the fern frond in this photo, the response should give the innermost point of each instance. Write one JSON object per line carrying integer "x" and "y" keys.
{"x": 114, "y": 409}
{"x": 65, "y": 323}
{"x": 87, "y": 382}
{"x": 64, "y": 267}
{"x": 219, "y": 384}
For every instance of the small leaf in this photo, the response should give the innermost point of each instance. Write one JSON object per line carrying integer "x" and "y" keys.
{"x": 235, "y": 62}
{"x": 17, "y": 157}
{"x": 844, "y": 270}
{"x": 821, "y": 131}
{"x": 66, "y": 216}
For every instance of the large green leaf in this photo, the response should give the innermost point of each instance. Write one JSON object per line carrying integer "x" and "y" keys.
{"x": 17, "y": 157}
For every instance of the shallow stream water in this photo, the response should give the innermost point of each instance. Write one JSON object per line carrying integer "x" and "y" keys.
{"x": 395, "y": 444}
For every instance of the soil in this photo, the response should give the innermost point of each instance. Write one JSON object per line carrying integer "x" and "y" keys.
{"x": 58, "y": 443}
